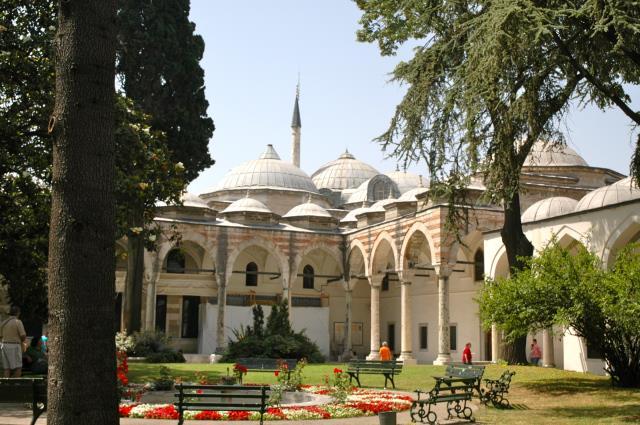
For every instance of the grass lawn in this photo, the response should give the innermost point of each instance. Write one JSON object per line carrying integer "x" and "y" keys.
{"x": 540, "y": 396}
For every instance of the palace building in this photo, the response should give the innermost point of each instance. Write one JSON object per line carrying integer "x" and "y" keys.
{"x": 363, "y": 256}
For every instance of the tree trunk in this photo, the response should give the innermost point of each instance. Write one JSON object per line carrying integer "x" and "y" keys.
{"x": 132, "y": 309}
{"x": 82, "y": 364}
{"x": 517, "y": 246}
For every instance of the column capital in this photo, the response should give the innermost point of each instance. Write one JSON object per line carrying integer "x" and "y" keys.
{"x": 375, "y": 280}
{"x": 406, "y": 276}
{"x": 443, "y": 270}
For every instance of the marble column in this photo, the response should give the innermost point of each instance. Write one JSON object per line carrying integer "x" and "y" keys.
{"x": 406, "y": 344}
{"x": 348, "y": 319}
{"x": 375, "y": 282}
{"x": 152, "y": 279}
{"x": 548, "y": 358}
{"x": 444, "y": 349}
{"x": 495, "y": 344}
{"x": 221, "y": 341}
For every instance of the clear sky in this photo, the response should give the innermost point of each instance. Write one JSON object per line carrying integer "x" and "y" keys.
{"x": 254, "y": 51}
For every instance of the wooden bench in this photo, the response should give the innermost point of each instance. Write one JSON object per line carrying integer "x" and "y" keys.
{"x": 25, "y": 390}
{"x": 466, "y": 371}
{"x": 388, "y": 368}
{"x": 456, "y": 392}
{"x": 496, "y": 389}
{"x": 221, "y": 397}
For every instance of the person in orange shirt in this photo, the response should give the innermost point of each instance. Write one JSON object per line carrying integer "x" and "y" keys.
{"x": 385, "y": 352}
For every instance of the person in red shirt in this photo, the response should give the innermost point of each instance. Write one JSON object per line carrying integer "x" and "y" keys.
{"x": 466, "y": 354}
{"x": 385, "y": 352}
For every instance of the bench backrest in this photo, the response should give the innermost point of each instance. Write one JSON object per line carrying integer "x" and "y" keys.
{"x": 465, "y": 371}
{"x": 505, "y": 378}
{"x": 375, "y": 366}
{"x": 18, "y": 390}
{"x": 265, "y": 363}
{"x": 222, "y": 397}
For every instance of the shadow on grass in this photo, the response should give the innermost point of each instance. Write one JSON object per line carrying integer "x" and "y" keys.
{"x": 574, "y": 386}
{"x": 622, "y": 414}
{"x": 148, "y": 372}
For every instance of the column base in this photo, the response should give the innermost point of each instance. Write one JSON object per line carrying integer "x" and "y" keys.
{"x": 215, "y": 358}
{"x": 407, "y": 358}
{"x": 374, "y": 355}
{"x": 442, "y": 359}
{"x": 549, "y": 365}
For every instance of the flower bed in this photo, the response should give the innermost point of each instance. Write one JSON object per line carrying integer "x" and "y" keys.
{"x": 359, "y": 403}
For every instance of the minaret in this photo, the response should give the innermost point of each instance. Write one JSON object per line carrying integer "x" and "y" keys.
{"x": 296, "y": 126}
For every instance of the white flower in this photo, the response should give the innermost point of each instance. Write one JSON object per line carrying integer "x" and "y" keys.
{"x": 152, "y": 238}
{"x": 136, "y": 230}
{"x": 179, "y": 166}
{"x": 25, "y": 38}
{"x": 52, "y": 28}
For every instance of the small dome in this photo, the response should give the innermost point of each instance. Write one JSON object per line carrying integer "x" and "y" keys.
{"x": 351, "y": 215}
{"x": 247, "y": 205}
{"x": 545, "y": 154}
{"x": 410, "y": 196}
{"x": 377, "y": 188}
{"x": 346, "y": 172}
{"x": 550, "y": 207}
{"x": 267, "y": 171}
{"x": 308, "y": 209}
{"x": 193, "y": 200}
{"x": 405, "y": 181}
{"x": 620, "y": 191}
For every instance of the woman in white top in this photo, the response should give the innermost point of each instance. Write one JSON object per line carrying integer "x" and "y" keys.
{"x": 12, "y": 335}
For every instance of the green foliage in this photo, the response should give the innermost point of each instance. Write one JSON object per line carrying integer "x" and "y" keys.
{"x": 158, "y": 65}
{"x": 154, "y": 345}
{"x": 164, "y": 381}
{"x": 286, "y": 381}
{"x": 568, "y": 288}
{"x": 339, "y": 385}
{"x": 276, "y": 340}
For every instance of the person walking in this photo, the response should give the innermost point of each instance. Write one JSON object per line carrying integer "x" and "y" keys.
{"x": 385, "y": 352}
{"x": 12, "y": 335}
{"x": 466, "y": 353}
{"x": 536, "y": 353}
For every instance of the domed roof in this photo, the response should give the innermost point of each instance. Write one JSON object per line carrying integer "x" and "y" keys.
{"x": 549, "y": 207}
{"x": 545, "y": 154}
{"x": 410, "y": 195}
{"x": 620, "y": 191}
{"x": 247, "y": 205}
{"x": 351, "y": 215}
{"x": 308, "y": 209}
{"x": 346, "y": 172}
{"x": 193, "y": 200}
{"x": 267, "y": 171}
{"x": 405, "y": 181}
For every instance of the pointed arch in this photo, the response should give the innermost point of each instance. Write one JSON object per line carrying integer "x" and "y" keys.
{"x": 357, "y": 246}
{"x": 622, "y": 235}
{"x": 380, "y": 241}
{"x": 331, "y": 252}
{"x": 415, "y": 228}
{"x": 265, "y": 244}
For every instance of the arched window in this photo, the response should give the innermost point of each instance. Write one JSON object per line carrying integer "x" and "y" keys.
{"x": 308, "y": 277}
{"x": 478, "y": 265}
{"x": 175, "y": 261}
{"x": 380, "y": 190}
{"x": 251, "y": 278}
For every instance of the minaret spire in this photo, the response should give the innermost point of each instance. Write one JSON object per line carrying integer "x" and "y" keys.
{"x": 296, "y": 126}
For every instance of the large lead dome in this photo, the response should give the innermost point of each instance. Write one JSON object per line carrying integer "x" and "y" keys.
{"x": 346, "y": 172}
{"x": 545, "y": 154}
{"x": 268, "y": 171}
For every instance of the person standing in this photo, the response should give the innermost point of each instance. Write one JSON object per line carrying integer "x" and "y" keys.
{"x": 385, "y": 352}
{"x": 466, "y": 353}
{"x": 536, "y": 353}
{"x": 12, "y": 335}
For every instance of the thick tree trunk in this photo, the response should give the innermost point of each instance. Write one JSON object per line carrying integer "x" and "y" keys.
{"x": 517, "y": 246}
{"x": 82, "y": 379}
{"x": 132, "y": 309}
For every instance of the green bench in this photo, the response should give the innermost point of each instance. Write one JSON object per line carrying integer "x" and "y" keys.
{"x": 456, "y": 392}
{"x": 466, "y": 371}
{"x": 496, "y": 389}
{"x": 388, "y": 368}
{"x": 221, "y": 397}
{"x": 25, "y": 390}
{"x": 265, "y": 364}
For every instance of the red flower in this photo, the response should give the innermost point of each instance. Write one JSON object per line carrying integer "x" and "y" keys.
{"x": 199, "y": 391}
{"x": 163, "y": 412}
{"x": 277, "y": 372}
{"x": 208, "y": 415}
{"x": 238, "y": 415}
{"x": 125, "y": 410}
{"x": 336, "y": 370}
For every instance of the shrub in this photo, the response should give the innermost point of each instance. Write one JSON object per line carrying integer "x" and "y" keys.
{"x": 148, "y": 342}
{"x": 275, "y": 340}
{"x": 168, "y": 355}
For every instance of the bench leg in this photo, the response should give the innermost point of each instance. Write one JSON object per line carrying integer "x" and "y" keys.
{"x": 418, "y": 413}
